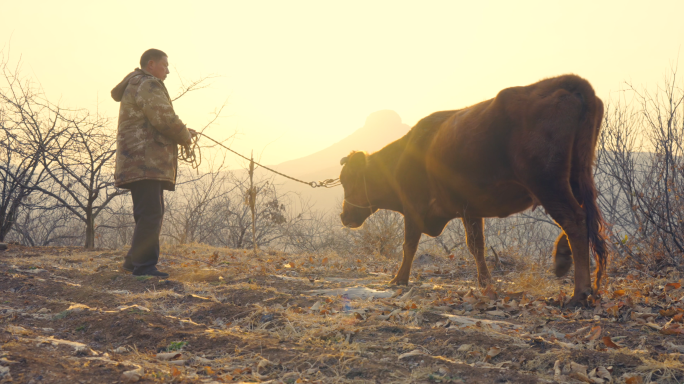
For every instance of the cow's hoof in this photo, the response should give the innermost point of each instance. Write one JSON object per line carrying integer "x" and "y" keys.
{"x": 561, "y": 264}
{"x": 575, "y": 302}
{"x": 485, "y": 281}
{"x": 399, "y": 281}
{"x": 578, "y": 300}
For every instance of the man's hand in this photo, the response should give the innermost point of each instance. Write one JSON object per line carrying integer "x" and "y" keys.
{"x": 193, "y": 134}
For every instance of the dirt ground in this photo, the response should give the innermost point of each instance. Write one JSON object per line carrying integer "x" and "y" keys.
{"x": 70, "y": 316}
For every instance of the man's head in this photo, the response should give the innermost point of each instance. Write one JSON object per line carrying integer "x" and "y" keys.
{"x": 155, "y": 62}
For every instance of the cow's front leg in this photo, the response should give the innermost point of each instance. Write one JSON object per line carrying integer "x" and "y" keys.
{"x": 474, "y": 228}
{"x": 411, "y": 239}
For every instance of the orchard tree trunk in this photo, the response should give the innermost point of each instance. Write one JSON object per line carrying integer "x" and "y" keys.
{"x": 8, "y": 219}
{"x": 90, "y": 230}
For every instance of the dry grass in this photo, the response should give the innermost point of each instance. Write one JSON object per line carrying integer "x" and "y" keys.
{"x": 257, "y": 318}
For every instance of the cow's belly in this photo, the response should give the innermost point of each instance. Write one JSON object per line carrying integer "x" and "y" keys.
{"x": 500, "y": 200}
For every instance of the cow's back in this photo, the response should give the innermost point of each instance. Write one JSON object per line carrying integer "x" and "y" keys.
{"x": 473, "y": 156}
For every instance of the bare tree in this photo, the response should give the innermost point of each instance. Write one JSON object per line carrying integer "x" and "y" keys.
{"x": 641, "y": 173}
{"x": 192, "y": 211}
{"x": 382, "y": 233}
{"x": 80, "y": 170}
{"x": 28, "y": 125}
{"x": 270, "y": 212}
{"x": 42, "y": 223}
{"x": 312, "y": 231}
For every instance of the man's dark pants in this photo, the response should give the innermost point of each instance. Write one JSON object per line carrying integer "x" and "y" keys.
{"x": 148, "y": 212}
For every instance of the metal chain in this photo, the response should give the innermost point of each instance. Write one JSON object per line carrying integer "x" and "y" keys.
{"x": 192, "y": 154}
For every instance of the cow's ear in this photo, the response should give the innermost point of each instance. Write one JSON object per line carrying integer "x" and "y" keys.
{"x": 357, "y": 159}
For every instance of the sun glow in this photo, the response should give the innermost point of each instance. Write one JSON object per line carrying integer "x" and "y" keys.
{"x": 300, "y": 76}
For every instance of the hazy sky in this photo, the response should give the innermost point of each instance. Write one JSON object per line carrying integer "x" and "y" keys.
{"x": 299, "y": 76}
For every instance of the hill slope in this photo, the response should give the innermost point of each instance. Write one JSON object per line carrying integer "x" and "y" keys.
{"x": 380, "y": 129}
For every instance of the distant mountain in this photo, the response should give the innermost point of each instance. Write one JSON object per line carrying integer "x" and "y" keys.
{"x": 380, "y": 129}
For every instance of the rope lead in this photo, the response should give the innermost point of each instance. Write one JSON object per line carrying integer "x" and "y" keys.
{"x": 191, "y": 154}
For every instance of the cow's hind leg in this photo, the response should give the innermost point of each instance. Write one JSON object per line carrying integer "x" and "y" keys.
{"x": 562, "y": 255}
{"x": 560, "y": 203}
{"x": 411, "y": 239}
{"x": 474, "y": 228}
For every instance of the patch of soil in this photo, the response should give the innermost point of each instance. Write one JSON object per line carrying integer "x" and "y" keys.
{"x": 229, "y": 323}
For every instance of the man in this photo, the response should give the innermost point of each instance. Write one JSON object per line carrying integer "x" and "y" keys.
{"x": 149, "y": 133}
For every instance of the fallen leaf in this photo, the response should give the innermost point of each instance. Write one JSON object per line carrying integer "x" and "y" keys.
{"x": 574, "y": 367}
{"x": 316, "y": 306}
{"x": 133, "y": 375}
{"x": 671, "y": 286}
{"x": 672, "y": 329}
{"x": 576, "y": 333}
{"x": 202, "y": 360}
{"x": 603, "y": 373}
{"x": 175, "y": 371}
{"x": 592, "y": 374}
{"x": 515, "y": 295}
{"x": 613, "y": 311}
{"x": 609, "y": 343}
{"x": 415, "y": 352}
{"x": 557, "y": 371}
{"x": 493, "y": 351}
{"x": 654, "y": 326}
{"x": 618, "y": 293}
{"x": 14, "y": 329}
{"x": 470, "y": 298}
{"x": 581, "y": 377}
{"x": 634, "y": 380}
{"x": 594, "y": 333}
{"x": 496, "y": 313}
{"x": 263, "y": 364}
{"x": 168, "y": 356}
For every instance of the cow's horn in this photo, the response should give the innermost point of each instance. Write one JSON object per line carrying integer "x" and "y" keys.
{"x": 343, "y": 161}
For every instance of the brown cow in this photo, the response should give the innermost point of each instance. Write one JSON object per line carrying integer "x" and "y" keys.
{"x": 528, "y": 146}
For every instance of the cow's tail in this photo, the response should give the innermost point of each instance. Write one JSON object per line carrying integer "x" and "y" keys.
{"x": 584, "y": 150}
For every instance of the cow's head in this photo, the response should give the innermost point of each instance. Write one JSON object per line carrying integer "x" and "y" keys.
{"x": 357, "y": 204}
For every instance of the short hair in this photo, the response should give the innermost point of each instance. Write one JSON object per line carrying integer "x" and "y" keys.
{"x": 151, "y": 54}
